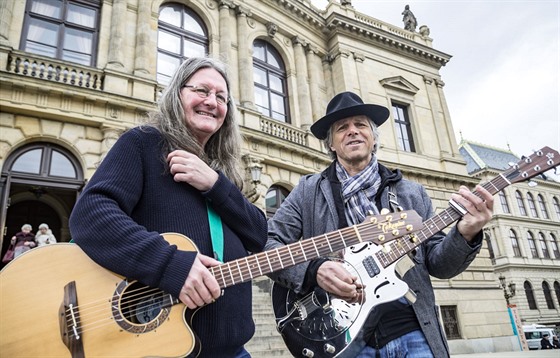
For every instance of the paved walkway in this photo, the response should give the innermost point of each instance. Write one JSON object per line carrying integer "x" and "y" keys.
{"x": 550, "y": 353}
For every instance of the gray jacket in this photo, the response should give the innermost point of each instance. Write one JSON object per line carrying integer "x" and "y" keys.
{"x": 311, "y": 210}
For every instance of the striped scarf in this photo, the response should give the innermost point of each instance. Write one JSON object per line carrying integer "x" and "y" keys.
{"x": 359, "y": 191}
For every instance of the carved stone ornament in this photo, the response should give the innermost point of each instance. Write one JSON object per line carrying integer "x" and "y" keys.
{"x": 271, "y": 29}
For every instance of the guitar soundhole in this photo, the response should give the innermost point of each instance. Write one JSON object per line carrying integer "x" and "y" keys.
{"x": 138, "y": 308}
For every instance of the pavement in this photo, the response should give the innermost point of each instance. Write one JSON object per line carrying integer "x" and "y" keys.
{"x": 549, "y": 353}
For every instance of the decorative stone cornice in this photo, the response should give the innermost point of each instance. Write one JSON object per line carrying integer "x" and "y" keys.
{"x": 297, "y": 40}
{"x": 359, "y": 57}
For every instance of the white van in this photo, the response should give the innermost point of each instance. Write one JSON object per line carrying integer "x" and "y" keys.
{"x": 534, "y": 334}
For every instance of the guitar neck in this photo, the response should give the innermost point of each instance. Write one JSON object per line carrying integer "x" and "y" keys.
{"x": 400, "y": 247}
{"x": 253, "y": 266}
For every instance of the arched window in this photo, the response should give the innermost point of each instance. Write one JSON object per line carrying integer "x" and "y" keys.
{"x": 530, "y": 295}
{"x": 269, "y": 73}
{"x": 181, "y": 35}
{"x": 274, "y": 198}
{"x": 547, "y": 295}
{"x": 532, "y": 244}
{"x": 542, "y": 205}
{"x": 514, "y": 243}
{"x": 503, "y": 201}
{"x": 554, "y": 244}
{"x": 532, "y": 206}
{"x": 557, "y": 291}
{"x": 556, "y": 205}
{"x": 520, "y": 203}
{"x": 46, "y": 161}
{"x": 544, "y": 248}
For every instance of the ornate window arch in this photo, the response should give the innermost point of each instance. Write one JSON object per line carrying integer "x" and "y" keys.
{"x": 269, "y": 74}
{"x": 530, "y": 295}
{"x": 181, "y": 34}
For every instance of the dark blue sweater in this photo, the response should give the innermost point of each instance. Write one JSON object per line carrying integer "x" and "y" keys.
{"x": 132, "y": 198}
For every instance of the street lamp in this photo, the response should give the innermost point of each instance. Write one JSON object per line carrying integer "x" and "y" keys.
{"x": 507, "y": 293}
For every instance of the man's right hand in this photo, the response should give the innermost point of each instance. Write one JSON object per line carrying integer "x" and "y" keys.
{"x": 335, "y": 279}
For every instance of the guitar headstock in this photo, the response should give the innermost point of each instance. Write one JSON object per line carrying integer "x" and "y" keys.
{"x": 537, "y": 163}
{"x": 383, "y": 228}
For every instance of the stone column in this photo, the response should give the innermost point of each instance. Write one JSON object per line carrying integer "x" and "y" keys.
{"x": 6, "y": 13}
{"x": 118, "y": 28}
{"x": 143, "y": 50}
{"x": 110, "y": 136}
{"x": 314, "y": 67}
{"x": 363, "y": 80}
{"x": 301, "y": 79}
{"x": 245, "y": 51}
{"x": 225, "y": 30}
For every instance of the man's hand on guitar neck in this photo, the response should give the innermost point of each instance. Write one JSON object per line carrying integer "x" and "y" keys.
{"x": 200, "y": 287}
{"x": 479, "y": 210}
{"x": 334, "y": 278}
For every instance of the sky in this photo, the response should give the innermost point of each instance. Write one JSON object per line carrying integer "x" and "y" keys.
{"x": 502, "y": 84}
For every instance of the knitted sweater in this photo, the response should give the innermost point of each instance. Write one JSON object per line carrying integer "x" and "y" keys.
{"x": 132, "y": 198}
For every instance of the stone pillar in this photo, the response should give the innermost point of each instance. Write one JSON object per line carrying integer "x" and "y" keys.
{"x": 225, "y": 30}
{"x": 314, "y": 68}
{"x": 301, "y": 79}
{"x": 6, "y": 13}
{"x": 118, "y": 28}
{"x": 363, "y": 80}
{"x": 143, "y": 50}
{"x": 110, "y": 136}
{"x": 245, "y": 53}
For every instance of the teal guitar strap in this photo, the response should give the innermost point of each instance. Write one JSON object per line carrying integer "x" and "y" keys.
{"x": 216, "y": 233}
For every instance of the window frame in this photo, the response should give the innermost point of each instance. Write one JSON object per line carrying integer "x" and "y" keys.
{"x": 530, "y": 295}
{"x": 532, "y": 245}
{"x": 542, "y": 205}
{"x": 270, "y": 70}
{"x": 504, "y": 202}
{"x": 521, "y": 203}
{"x": 514, "y": 243}
{"x": 403, "y": 125}
{"x": 63, "y": 23}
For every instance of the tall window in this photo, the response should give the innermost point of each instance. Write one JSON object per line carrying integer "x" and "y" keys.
{"x": 46, "y": 161}
{"x": 269, "y": 73}
{"x": 557, "y": 291}
{"x": 532, "y": 206}
{"x": 556, "y": 205}
{"x": 514, "y": 243}
{"x": 450, "y": 322}
{"x": 403, "y": 128}
{"x": 181, "y": 35}
{"x": 532, "y": 245}
{"x": 520, "y": 203}
{"x": 542, "y": 205}
{"x": 274, "y": 198}
{"x": 62, "y": 29}
{"x": 547, "y": 295}
{"x": 530, "y": 295}
{"x": 503, "y": 201}
{"x": 544, "y": 248}
{"x": 554, "y": 245}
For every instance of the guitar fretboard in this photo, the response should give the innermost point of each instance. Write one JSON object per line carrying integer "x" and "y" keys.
{"x": 253, "y": 266}
{"x": 523, "y": 170}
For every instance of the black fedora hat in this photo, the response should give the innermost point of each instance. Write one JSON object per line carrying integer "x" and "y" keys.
{"x": 344, "y": 105}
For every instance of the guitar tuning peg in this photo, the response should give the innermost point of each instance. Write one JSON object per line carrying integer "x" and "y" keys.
{"x": 385, "y": 211}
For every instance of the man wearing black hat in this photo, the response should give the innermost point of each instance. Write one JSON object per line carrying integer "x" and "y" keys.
{"x": 342, "y": 195}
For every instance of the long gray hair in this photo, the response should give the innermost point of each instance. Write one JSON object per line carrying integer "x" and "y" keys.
{"x": 222, "y": 151}
{"x": 329, "y": 139}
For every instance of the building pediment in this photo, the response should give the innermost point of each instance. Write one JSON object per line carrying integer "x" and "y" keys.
{"x": 400, "y": 84}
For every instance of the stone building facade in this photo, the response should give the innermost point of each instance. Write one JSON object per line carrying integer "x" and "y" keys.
{"x": 76, "y": 73}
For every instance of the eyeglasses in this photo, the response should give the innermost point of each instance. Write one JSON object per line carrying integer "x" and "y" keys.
{"x": 204, "y": 92}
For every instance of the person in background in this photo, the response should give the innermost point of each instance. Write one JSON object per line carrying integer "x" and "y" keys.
{"x": 23, "y": 240}
{"x": 169, "y": 175}
{"x": 545, "y": 342}
{"x": 555, "y": 342}
{"x": 44, "y": 236}
{"x": 354, "y": 184}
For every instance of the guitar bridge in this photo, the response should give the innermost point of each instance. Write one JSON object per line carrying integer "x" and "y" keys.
{"x": 69, "y": 321}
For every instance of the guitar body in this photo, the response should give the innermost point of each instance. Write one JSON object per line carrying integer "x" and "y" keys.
{"x": 337, "y": 328}
{"x": 32, "y": 291}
